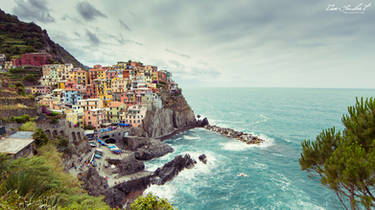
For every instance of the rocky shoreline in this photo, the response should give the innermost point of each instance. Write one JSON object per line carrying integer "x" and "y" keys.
{"x": 230, "y": 133}
{"x": 122, "y": 194}
{"x": 125, "y": 178}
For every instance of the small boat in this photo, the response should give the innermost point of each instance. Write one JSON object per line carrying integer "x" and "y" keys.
{"x": 242, "y": 174}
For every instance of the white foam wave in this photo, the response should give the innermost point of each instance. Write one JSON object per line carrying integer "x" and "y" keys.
{"x": 151, "y": 166}
{"x": 221, "y": 123}
{"x": 169, "y": 189}
{"x": 236, "y": 145}
{"x": 191, "y": 137}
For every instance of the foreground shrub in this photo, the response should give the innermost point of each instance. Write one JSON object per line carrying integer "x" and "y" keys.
{"x": 150, "y": 202}
{"x": 40, "y": 182}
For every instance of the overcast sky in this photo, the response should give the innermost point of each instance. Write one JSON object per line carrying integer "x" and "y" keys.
{"x": 286, "y": 43}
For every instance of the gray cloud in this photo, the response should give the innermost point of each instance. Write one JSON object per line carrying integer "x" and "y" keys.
{"x": 124, "y": 25}
{"x": 241, "y": 43}
{"x": 123, "y": 41}
{"x": 77, "y": 34}
{"x": 35, "y": 10}
{"x": 88, "y": 12}
{"x": 92, "y": 38}
{"x": 177, "y": 53}
{"x": 75, "y": 20}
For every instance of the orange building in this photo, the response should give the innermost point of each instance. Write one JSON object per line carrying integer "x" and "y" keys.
{"x": 95, "y": 117}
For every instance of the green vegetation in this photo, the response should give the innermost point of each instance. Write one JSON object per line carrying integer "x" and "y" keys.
{"x": 40, "y": 137}
{"x": 17, "y": 37}
{"x": 25, "y": 76}
{"x": 40, "y": 182}
{"x": 150, "y": 202}
{"x": 345, "y": 161}
{"x": 20, "y": 89}
{"x": 21, "y": 119}
{"x": 54, "y": 114}
{"x": 28, "y": 126}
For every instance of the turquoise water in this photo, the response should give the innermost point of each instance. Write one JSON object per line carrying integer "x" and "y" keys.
{"x": 284, "y": 117}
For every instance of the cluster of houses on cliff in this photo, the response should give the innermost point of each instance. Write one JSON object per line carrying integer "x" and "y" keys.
{"x": 102, "y": 95}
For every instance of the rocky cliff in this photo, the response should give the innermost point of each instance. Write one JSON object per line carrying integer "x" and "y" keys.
{"x": 176, "y": 114}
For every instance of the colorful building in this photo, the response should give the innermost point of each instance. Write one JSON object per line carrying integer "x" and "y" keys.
{"x": 71, "y": 96}
{"x": 115, "y": 108}
{"x": 40, "y": 90}
{"x": 91, "y": 103}
{"x": 95, "y": 117}
{"x": 33, "y": 59}
{"x": 80, "y": 76}
{"x": 134, "y": 115}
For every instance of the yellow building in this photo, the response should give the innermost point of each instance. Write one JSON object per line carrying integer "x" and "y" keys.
{"x": 119, "y": 85}
{"x": 75, "y": 115}
{"x": 61, "y": 85}
{"x": 80, "y": 77}
{"x": 115, "y": 108}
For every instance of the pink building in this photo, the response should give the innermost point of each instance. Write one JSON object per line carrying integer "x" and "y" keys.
{"x": 33, "y": 59}
{"x": 95, "y": 117}
{"x": 111, "y": 74}
{"x": 128, "y": 98}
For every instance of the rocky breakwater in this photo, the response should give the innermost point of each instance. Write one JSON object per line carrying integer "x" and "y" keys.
{"x": 241, "y": 136}
{"x": 124, "y": 193}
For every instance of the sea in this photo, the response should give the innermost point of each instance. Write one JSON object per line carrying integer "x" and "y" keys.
{"x": 284, "y": 117}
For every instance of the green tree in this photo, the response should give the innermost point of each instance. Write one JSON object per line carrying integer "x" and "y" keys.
{"x": 40, "y": 137}
{"x": 150, "y": 202}
{"x": 345, "y": 161}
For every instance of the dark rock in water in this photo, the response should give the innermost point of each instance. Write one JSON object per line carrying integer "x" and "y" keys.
{"x": 203, "y": 158}
{"x": 93, "y": 183}
{"x": 115, "y": 196}
{"x": 128, "y": 165}
{"x": 154, "y": 149}
{"x": 202, "y": 123}
{"x": 172, "y": 168}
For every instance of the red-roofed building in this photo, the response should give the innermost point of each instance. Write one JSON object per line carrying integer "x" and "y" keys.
{"x": 33, "y": 59}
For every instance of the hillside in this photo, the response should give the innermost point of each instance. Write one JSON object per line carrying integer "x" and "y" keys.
{"x": 17, "y": 37}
